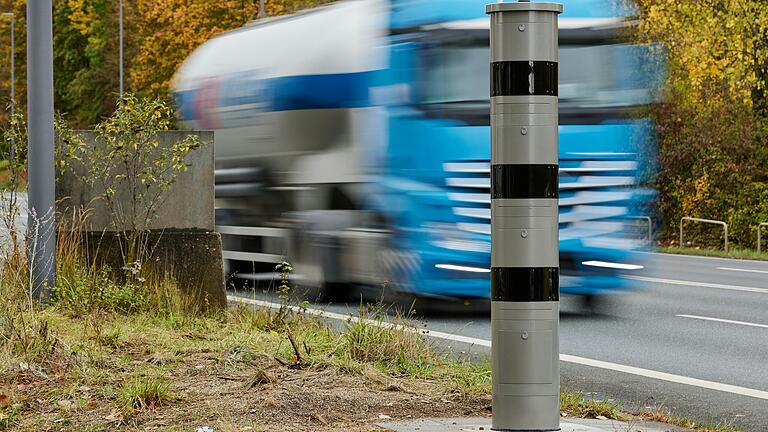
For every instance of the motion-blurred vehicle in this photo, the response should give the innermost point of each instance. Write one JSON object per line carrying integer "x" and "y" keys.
{"x": 353, "y": 140}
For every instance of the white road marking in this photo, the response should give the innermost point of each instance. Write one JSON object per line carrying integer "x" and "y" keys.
{"x": 697, "y": 284}
{"x": 743, "y": 270}
{"x": 613, "y": 265}
{"x": 663, "y": 376}
{"x": 744, "y": 323}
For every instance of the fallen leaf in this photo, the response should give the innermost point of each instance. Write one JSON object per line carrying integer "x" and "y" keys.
{"x": 114, "y": 417}
{"x": 152, "y": 406}
{"x": 84, "y": 389}
{"x": 601, "y": 417}
{"x": 92, "y": 405}
{"x": 384, "y": 417}
{"x": 4, "y": 401}
{"x": 66, "y": 403}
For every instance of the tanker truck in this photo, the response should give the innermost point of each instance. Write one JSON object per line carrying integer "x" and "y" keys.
{"x": 353, "y": 141}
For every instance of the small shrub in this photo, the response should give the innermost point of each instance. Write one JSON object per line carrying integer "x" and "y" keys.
{"x": 26, "y": 335}
{"x": 395, "y": 347}
{"x": 131, "y": 169}
{"x": 140, "y": 393}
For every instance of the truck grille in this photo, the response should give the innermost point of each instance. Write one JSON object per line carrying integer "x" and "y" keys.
{"x": 595, "y": 195}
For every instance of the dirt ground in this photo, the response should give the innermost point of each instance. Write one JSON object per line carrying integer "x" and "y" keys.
{"x": 255, "y": 399}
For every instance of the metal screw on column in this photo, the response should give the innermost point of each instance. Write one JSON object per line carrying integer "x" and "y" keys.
{"x": 525, "y": 287}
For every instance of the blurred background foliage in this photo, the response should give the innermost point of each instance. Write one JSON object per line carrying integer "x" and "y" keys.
{"x": 713, "y": 119}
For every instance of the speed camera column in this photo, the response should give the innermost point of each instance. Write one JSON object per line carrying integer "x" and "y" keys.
{"x": 525, "y": 288}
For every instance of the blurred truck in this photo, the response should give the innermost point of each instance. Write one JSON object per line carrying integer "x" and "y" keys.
{"x": 353, "y": 140}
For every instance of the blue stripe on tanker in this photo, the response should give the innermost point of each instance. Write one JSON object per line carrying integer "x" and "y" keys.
{"x": 347, "y": 90}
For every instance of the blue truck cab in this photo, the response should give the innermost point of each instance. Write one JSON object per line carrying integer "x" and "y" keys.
{"x": 436, "y": 168}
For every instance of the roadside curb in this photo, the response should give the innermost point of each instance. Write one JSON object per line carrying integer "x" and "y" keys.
{"x": 567, "y": 425}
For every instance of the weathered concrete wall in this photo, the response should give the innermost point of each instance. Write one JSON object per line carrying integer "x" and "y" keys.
{"x": 191, "y": 257}
{"x": 188, "y": 205}
{"x": 182, "y": 233}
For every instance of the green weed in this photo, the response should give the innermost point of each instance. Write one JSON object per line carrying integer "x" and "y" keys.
{"x": 575, "y": 404}
{"x": 144, "y": 392}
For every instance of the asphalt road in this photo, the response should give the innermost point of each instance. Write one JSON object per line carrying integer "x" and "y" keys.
{"x": 692, "y": 338}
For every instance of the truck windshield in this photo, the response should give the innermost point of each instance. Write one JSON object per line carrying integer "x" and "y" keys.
{"x": 597, "y": 76}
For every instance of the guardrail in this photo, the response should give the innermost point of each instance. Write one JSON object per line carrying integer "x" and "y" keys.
{"x": 759, "y": 240}
{"x": 714, "y": 222}
{"x": 650, "y": 226}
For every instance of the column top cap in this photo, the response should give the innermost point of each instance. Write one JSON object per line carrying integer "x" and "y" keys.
{"x": 523, "y": 7}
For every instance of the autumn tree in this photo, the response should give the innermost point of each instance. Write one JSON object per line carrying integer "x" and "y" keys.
{"x": 86, "y": 57}
{"x": 713, "y": 122}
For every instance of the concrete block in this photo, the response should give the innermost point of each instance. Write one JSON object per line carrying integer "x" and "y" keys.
{"x": 182, "y": 238}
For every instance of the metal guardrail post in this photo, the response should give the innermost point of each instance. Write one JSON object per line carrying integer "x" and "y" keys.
{"x": 759, "y": 239}
{"x": 709, "y": 221}
{"x": 650, "y": 226}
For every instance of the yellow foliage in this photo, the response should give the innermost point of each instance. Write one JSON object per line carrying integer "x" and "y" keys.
{"x": 701, "y": 197}
{"x": 82, "y": 16}
{"x": 712, "y": 43}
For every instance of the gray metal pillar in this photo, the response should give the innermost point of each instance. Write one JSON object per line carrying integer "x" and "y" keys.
{"x": 525, "y": 286}
{"x": 41, "y": 186}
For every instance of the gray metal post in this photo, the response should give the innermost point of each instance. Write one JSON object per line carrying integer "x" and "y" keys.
{"x": 121, "y": 51}
{"x": 525, "y": 285}
{"x": 261, "y": 9}
{"x": 41, "y": 186}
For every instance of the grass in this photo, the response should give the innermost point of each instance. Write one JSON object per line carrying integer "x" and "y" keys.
{"x": 663, "y": 416}
{"x": 144, "y": 392}
{"x": 575, "y": 404}
{"x": 147, "y": 369}
{"x": 747, "y": 254}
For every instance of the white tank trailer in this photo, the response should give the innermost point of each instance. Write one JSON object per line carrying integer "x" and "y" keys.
{"x": 288, "y": 99}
